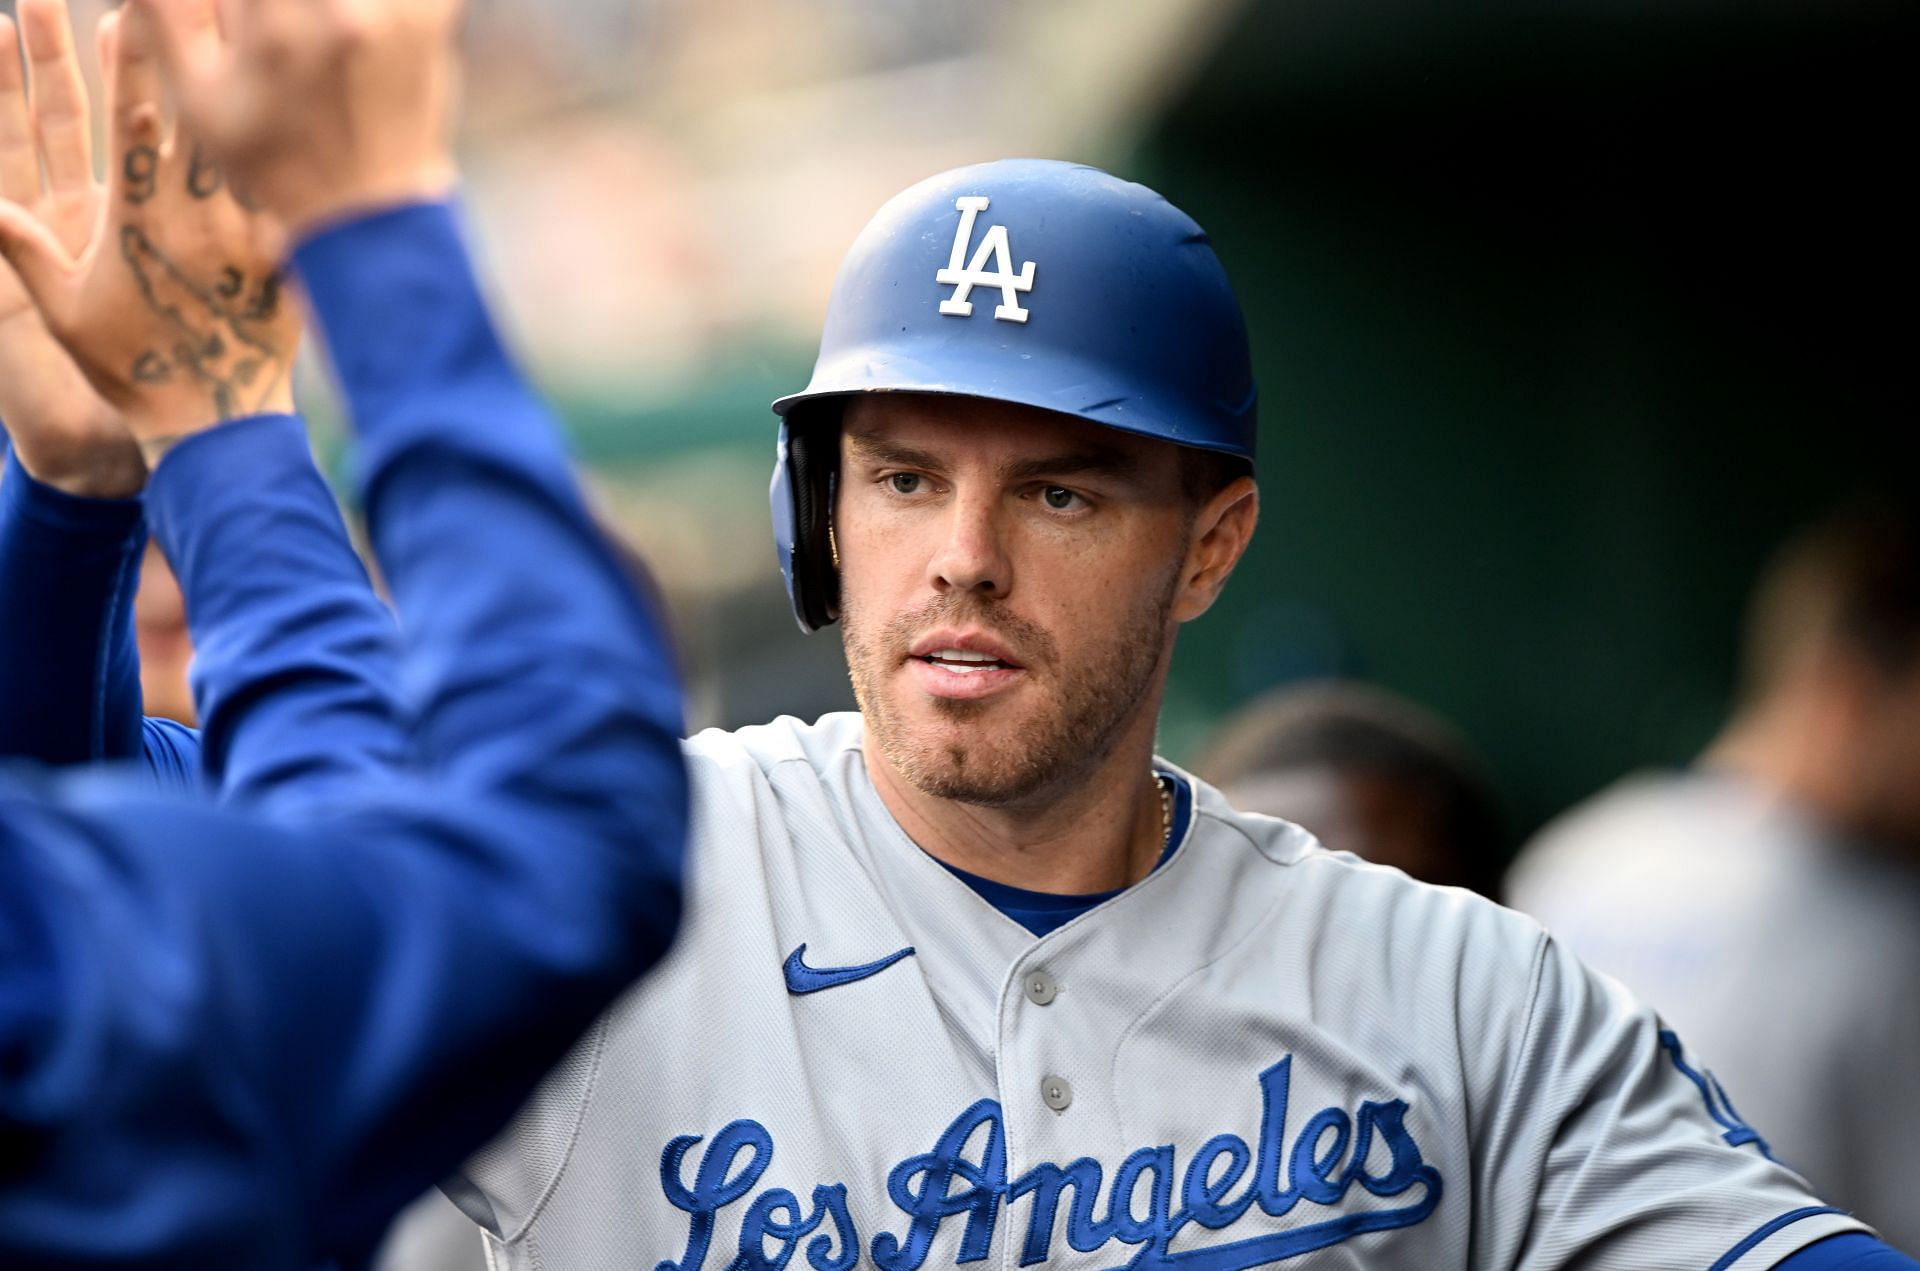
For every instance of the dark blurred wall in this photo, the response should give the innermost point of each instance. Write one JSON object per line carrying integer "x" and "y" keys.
{"x": 1563, "y": 315}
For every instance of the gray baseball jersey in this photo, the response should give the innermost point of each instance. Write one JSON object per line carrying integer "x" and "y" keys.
{"x": 1790, "y": 957}
{"x": 1264, "y": 1053}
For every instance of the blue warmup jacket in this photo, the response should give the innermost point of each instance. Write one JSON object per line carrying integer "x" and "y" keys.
{"x": 247, "y": 1015}
{"x": 328, "y": 655}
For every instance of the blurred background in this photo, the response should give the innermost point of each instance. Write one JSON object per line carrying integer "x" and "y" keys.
{"x": 1563, "y": 313}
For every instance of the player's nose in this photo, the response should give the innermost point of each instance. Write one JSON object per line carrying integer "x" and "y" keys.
{"x": 972, "y": 553}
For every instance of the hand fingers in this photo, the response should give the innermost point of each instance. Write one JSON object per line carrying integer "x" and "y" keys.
{"x": 58, "y": 96}
{"x": 106, "y": 46}
{"x": 204, "y": 17}
{"x": 19, "y": 156}
{"x": 37, "y": 257}
{"x": 186, "y": 36}
{"x": 136, "y": 92}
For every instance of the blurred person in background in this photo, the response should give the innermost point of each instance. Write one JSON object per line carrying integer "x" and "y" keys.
{"x": 1767, "y": 900}
{"x": 1367, "y": 772}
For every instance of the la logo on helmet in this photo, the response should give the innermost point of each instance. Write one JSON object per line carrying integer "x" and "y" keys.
{"x": 993, "y": 249}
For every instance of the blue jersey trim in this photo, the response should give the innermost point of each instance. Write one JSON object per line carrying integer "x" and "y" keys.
{"x": 1848, "y": 1251}
{"x": 1719, "y": 1107}
{"x": 1734, "y": 1254}
{"x": 1044, "y": 912}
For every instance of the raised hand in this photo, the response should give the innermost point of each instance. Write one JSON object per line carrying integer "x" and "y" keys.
{"x": 64, "y": 433}
{"x": 169, "y": 298}
{"x": 321, "y": 108}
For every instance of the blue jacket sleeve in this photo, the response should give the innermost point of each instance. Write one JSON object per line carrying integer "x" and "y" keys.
{"x": 295, "y": 659}
{"x": 69, "y": 676}
{"x": 312, "y": 680}
{"x": 245, "y": 1036}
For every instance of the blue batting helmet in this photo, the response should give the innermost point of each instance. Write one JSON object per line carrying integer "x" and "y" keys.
{"x": 1045, "y": 284}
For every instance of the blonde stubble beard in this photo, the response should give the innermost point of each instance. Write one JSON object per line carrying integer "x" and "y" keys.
{"x": 1091, "y": 705}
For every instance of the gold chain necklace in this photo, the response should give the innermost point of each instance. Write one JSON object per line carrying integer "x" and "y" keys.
{"x": 1166, "y": 810}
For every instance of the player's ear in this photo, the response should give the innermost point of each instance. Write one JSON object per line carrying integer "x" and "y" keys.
{"x": 1222, "y": 528}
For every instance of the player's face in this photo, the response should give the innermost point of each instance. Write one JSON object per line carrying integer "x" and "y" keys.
{"x": 1009, "y": 582}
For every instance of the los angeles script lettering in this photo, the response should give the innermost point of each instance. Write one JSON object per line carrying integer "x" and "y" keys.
{"x": 964, "y": 1179}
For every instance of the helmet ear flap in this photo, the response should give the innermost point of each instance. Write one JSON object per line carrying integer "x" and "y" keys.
{"x": 804, "y": 478}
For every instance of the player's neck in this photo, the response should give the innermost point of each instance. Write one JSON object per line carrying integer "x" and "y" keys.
{"x": 1104, "y": 832}
{"x": 1790, "y": 749}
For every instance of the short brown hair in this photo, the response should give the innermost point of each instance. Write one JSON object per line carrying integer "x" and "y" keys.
{"x": 1851, "y": 582}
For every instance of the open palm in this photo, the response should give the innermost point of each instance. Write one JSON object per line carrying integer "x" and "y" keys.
{"x": 64, "y": 431}
{"x": 160, "y": 283}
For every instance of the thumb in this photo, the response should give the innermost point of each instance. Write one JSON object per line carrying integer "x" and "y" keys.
{"x": 37, "y": 258}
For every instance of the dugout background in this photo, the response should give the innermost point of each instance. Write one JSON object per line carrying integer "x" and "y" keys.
{"x": 1563, "y": 313}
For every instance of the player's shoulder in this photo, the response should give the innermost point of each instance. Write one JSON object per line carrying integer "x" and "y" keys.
{"x": 1356, "y": 899}
{"x": 823, "y": 746}
{"x": 783, "y": 782}
{"x": 1270, "y": 839}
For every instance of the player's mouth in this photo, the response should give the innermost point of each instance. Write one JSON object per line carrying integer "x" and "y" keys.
{"x": 963, "y": 665}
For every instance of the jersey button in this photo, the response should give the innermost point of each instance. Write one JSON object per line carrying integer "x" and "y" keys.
{"x": 1056, "y": 1093}
{"x": 1040, "y": 988}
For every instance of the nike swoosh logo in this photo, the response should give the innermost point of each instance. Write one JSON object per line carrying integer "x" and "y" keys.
{"x": 802, "y": 978}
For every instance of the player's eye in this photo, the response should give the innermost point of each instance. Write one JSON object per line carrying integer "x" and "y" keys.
{"x": 904, "y": 482}
{"x": 1059, "y": 498}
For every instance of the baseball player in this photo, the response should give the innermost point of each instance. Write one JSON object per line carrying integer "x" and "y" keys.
{"x": 242, "y": 1036}
{"x": 971, "y": 976}
{"x": 1768, "y": 897}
